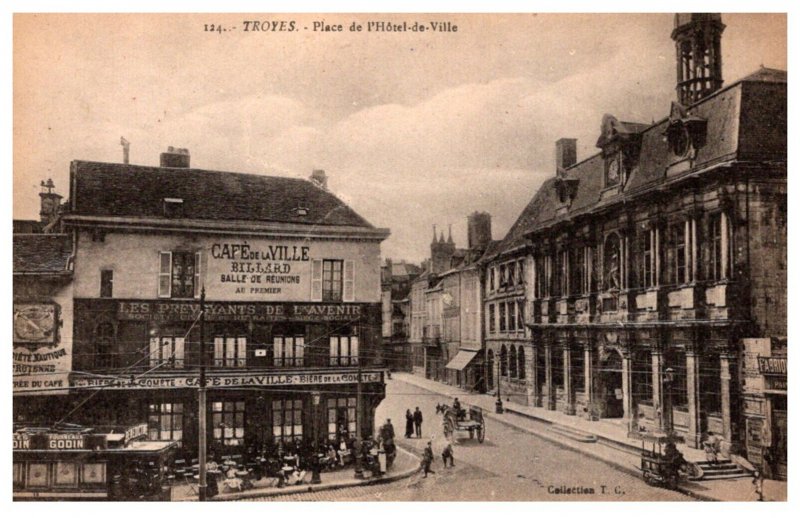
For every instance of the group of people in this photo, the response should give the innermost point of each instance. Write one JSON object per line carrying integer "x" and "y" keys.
{"x": 414, "y": 423}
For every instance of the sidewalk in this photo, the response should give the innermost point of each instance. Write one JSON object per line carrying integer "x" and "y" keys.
{"x": 405, "y": 465}
{"x": 612, "y": 444}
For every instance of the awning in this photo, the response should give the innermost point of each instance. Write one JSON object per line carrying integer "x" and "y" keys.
{"x": 461, "y": 360}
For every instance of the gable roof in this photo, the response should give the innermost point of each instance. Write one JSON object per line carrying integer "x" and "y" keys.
{"x": 124, "y": 190}
{"x": 42, "y": 253}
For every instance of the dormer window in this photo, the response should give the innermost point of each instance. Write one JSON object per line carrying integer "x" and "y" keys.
{"x": 173, "y": 207}
{"x": 614, "y": 171}
{"x": 301, "y": 211}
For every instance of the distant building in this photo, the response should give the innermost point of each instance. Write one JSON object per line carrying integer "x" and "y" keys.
{"x": 396, "y": 282}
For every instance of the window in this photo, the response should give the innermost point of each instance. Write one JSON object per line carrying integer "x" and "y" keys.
{"x": 288, "y": 351}
{"x": 227, "y": 420}
{"x": 557, "y": 367}
{"x": 562, "y": 273}
{"x": 612, "y": 262}
{"x": 642, "y": 366}
{"x": 287, "y": 419}
{"x": 718, "y": 239}
{"x": 512, "y": 274}
{"x": 93, "y": 473}
{"x": 503, "y": 278}
{"x": 106, "y": 283}
{"x": 512, "y": 316}
{"x": 521, "y": 315}
{"x": 66, "y": 474}
{"x": 543, "y": 277}
{"x": 676, "y": 360}
{"x": 230, "y": 351}
{"x": 576, "y": 370}
{"x": 491, "y": 318}
{"x": 678, "y": 253}
{"x": 179, "y": 276}
{"x": 521, "y": 362}
{"x": 503, "y": 361}
{"x": 104, "y": 345}
{"x": 165, "y": 422}
{"x": 491, "y": 278}
{"x": 578, "y": 275}
{"x": 332, "y": 280}
{"x": 166, "y": 349}
{"x": 512, "y": 362}
{"x": 341, "y": 418}
{"x": 344, "y": 350}
{"x": 613, "y": 170}
{"x": 710, "y": 383}
{"x": 647, "y": 254}
{"x": 521, "y": 272}
{"x": 502, "y": 316}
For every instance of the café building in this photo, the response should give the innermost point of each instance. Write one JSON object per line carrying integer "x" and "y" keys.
{"x": 291, "y": 277}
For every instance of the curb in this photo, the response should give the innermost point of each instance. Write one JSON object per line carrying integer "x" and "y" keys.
{"x": 292, "y": 490}
{"x": 490, "y": 414}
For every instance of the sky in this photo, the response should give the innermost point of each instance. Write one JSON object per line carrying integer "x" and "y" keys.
{"x": 413, "y": 129}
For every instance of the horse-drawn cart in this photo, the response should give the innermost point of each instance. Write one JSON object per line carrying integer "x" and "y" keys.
{"x": 460, "y": 420}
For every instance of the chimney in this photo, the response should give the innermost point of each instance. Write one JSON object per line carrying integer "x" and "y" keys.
{"x": 50, "y": 202}
{"x": 126, "y": 148}
{"x": 175, "y": 157}
{"x": 479, "y": 230}
{"x": 566, "y": 153}
{"x": 319, "y": 178}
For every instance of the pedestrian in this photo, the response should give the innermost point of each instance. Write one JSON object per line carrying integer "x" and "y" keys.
{"x": 447, "y": 454}
{"x": 409, "y": 423}
{"x": 758, "y": 485}
{"x": 418, "y": 422}
{"x": 387, "y": 431}
{"x": 427, "y": 460}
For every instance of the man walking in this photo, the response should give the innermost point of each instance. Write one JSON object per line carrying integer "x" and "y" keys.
{"x": 427, "y": 460}
{"x": 418, "y": 422}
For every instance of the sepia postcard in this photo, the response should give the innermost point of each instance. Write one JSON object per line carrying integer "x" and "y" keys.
{"x": 400, "y": 257}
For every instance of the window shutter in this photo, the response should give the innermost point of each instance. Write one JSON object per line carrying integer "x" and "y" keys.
{"x": 354, "y": 360}
{"x": 299, "y": 350}
{"x": 230, "y": 351}
{"x": 277, "y": 351}
{"x": 155, "y": 348}
{"x": 179, "y": 342}
{"x": 334, "y": 350}
{"x": 348, "y": 290}
{"x": 241, "y": 351}
{"x": 316, "y": 280}
{"x": 218, "y": 350}
{"x": 197, "y": 257}
{"x": 165, "y": 275}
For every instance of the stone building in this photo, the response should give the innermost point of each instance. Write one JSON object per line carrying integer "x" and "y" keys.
{"x": 396, "y": 283}
{"x": 651, "y": 261}
{"x": 291, "y": 277}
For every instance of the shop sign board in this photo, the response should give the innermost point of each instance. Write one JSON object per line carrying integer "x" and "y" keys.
{"x": 168, "y": 311}
{"x": 771, "y": 365}
{"x": 40, "y": 360}
{"x": 223, "y": 380}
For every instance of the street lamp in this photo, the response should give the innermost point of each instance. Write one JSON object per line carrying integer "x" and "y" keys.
{"x": 201, "y": 402}
{"x": 669, "y": 377}
{"x": 498, "y": 405}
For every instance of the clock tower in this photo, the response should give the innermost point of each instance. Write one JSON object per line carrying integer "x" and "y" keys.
{"x": 699, "y": 58}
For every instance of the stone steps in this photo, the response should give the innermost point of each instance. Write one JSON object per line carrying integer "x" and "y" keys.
{"x": 721, "y": 470}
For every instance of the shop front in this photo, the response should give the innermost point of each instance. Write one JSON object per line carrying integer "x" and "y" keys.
{"x": 765, "y": 405}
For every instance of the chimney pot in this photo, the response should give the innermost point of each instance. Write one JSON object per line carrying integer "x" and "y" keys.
{"x": 566, "y": 153}
{"x": 319, "y": 177}
{"x": 175, "y": 157}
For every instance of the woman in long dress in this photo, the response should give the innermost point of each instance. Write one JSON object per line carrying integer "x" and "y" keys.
{"x": 409, "y": 423}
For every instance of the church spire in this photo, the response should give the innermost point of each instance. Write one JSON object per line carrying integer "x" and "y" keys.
{"x": 450, "y": 234}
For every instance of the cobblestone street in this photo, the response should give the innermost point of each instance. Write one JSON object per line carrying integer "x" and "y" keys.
{"x": 509, "y": 465}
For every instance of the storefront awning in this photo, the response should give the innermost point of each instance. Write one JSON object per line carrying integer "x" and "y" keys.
{"x": 461, "y": 360}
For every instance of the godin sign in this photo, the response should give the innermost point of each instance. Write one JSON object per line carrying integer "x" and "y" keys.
{"x": 65, "y": 441}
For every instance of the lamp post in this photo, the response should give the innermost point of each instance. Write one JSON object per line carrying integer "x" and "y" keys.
{"x": 359, "y": 474}
{"x": 498, "y": 405}
{"x": 315, "y": 479}
{"x": 669, "y": 377}
{"x": 201, "y": 401}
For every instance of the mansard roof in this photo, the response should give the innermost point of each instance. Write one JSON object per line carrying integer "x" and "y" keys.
{"x": 744, "y": 121}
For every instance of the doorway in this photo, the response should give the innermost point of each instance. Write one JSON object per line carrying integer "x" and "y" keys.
{"x": 609, "y": 393}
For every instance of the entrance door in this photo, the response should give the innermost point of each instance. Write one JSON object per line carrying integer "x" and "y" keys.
{"x": 779, "y": 428}
{"x": 609, "y": 378}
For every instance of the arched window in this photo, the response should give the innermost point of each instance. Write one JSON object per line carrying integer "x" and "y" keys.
{"x": 612, "y": 262}
{"x": 512, "y": 362}
{"x": 503, "y": 361}
{"x": 521, "y": 362}
{"x": 104, "y": 345}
